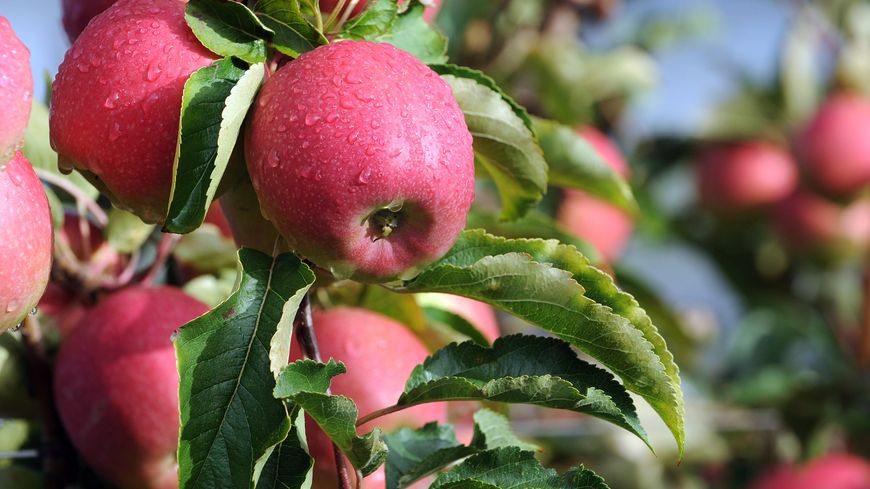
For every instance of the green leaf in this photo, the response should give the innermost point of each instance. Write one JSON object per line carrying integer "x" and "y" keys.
{"x": 289, "y": 465}
{"x": 206, "y": 249}
{"x": 414, "y": 454}
{"x": 514, "y": 468}
{"x": 503, "y": 145}
{"x": 574, "y": 163}
{"x": 493, "y": 430}
{"x": 522, "y": 369}
{"x": 214, "y": 104}
{"x": 294, "y": 35}
{"x": 229, "y": 418}
{"x": 55, "y": 206}
{"x": 481, "y": 78}
{"x": 125, "y": 232}
{"x": 374, "y": 23}
{"x": 456, "y": 323}
{"x": 228, "y": 28}
{"x": 413, "y": 34}
{"x": 305, "y": 382}
{"x": 210, "y": 289}
{"x": 554, "y": 287}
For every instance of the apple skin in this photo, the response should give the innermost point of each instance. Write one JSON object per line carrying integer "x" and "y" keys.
{"x": 834, "y": 146}
{"x": 25, "y": 241}
{"x": 348, "y": 131}
{"x": 605, "y": 226}
{"x": 806, "y": 221}
{"x": 745, "y": 176}
{"x": 116, "y": 101}
{"x": 379, "y": 354}
{"x": 836, "y": 471}
{"x": 116, "y": 386}
{"x": 428, "y": 15}
{"x": 16, "y": 90}
{"x": 77, "y": 14}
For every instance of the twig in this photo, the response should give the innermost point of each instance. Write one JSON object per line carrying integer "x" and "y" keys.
{"x": 865, "y": 342}
{"x": 304, "y": 325}
{"x": 68, "y": 187}
{"x": 164, "y": 249}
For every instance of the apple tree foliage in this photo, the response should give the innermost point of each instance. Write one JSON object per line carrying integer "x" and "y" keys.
{"x": 242, "y": 405}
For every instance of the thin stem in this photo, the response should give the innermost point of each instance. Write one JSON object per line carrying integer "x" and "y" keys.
{"x": 333, "y": 16}
{"x": 304, "y": 325}
{"x": 76, "y": 193}
{"x": 865, "y": 327}
{"x": 164, "y": 249}
{"x": 346, "y": 15}
{"x": 380, "y": 412}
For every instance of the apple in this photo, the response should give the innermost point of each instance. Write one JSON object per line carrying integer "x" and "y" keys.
{"x": 77, "y": 14}
{"x": 116, "y": 101}
{"x": 25, "y": 240}
{"x": 361, "y": 159}
{"x": 379, "y": 354}
{"x": 834, "y": 146}
{"x": 835, "y": 471}
{"x": 604, "y": 226}
{"x": 246, "y": 222}
{"x": 16, "y": 90}
{"x": 116, "y": 386}
{"x": 809, "y": 222}
{"x": 745, "y": 176}
{"x": 432, "y": 8}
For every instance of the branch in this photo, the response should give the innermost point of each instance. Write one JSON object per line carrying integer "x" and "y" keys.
{"x": 76, "y": 193}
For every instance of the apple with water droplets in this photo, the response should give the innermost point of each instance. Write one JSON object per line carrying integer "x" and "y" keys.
{"x": 16, "y": 90}
{"x": 116, "y": 386}
{"x": 116, "y": 101}
{"x": 360, "y": 156}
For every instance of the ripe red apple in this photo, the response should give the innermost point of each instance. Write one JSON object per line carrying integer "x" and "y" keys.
{"x": 16, "y": 90}
{"x": 361, "y": 158}
{"x": 116, "y": 386}
{"x": 603, "y": 225}
{"x": 745, "y": 176}
{"x": 834, "y": 146}
{"x": 836, "y": 471}
{"x": 25, "y": 240}
{"x": 379, "y": 354}
{"x": 809, "y": 222}
{"x": 77, "y": 14}
{"x": 429, "y": 14}
{"x": 117, "y": 98}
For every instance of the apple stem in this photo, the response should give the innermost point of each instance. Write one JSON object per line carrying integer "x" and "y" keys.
{"x": 76, "y": 193}
{"x": 304, "y": 325}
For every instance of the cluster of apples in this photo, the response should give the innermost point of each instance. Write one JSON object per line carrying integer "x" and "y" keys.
{"x": 818, "y": 198}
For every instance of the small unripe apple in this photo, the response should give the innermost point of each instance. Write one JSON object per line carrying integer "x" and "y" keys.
{"x": 116, "y": 101}
{"x": 116, "y": 386}
{"x": 432, "y": 8}
{"x": 603, "y": 225}
{"x": 745, "y": 176}
{"x": 809, "y": 222}
{"x": 361, "y": 158}
{"x": 16, "y": 90}
{"x": 834, "y": 146}
{"x": 379, "y": 354}
{"x": 25, "y": 240}
{"x": 77, "y": 14}
{"x": 836, "y": 471}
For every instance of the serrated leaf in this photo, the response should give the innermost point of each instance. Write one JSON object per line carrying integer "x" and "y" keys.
{"x": 214, "y": 104}
{"x": 554, "y": 287}
{"x": 414, "y": 454}
{"x": 493, "y": 430}
{"x": 413, "y": 34}
{"x": 229, "y": 418}
{"x": 503, "y": 144}
{"x": 525, "y": 370}
{"x": 305, "y": 382}
{"x": 125, "y": 232}
{"x": 481, "y": 78}
{"x": 228, "y": 28}
{"x": 294, "y": 35}
{"x": 289, "y": 466}
{"x": 456, "y": 323}
{"x": 574, "y": 163}
{"x": 514, "y": 468}
{"x": 375, "y": 21}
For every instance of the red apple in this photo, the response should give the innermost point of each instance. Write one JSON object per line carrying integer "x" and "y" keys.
{"x": 836, "y": 471}
{"x": 809, "y": 222}
{"x": 745, "y": 176}
{"x": 116, "y": 386}
{"x": 246, "y": 222}
{"x": 216, "y": 217}
{"x": 16, "y": 90}
{"x": 379, "y": 354}
{"x": 603, "y": 225}
{"x": 362, "y": 160}
{"x": 77, "y": 14}
{"x": 429, "y": 14}
{"x": 116, "y": 101}
{"x": 834, "y": 145}
{"x": 25, "y": 240}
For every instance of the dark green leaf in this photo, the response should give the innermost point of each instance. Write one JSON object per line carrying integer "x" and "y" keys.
{"x": 514, "y": 468}
{"x": 554, "y": 287}
{"x": 374, "y": 23}
{"x": 289, "y": 463}
{"x": 574, "y": 163}
{"x": 415, "y": 454}
{"x": 305, "y": 383}
{"x": 413, "y": 34}
{"x": 294, "y": 35}
{"x": 526, "y": 370}
{"x": 226, "y": 361}
{"x": 228, "y": 28}
{"x": 493, "y": 430}
{"x": 214, "y": 104}
{"x": 503, "y": 145}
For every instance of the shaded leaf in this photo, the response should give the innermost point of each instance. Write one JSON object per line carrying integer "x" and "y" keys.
{"x": 125, "y": 232}
{"x": 294, "y": 35}
{"x": 375, "y": 21}
{"x": 228, "y": 28}
{"x": 289, "y": 464}
{"x": 414, "y": 454}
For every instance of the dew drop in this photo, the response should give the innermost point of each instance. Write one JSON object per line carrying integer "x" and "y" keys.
{"x": 305, "y": 171}
{"x": 311, "y": 119}
{"x": 396, "y": 153}
{"x": 34, "y": 311}
{"x": 375, "y": 124}
{"x": 115, "y": 132}
{"x": 319, "y": 175}
{"x": 11, "y": 306}
{"x": 112, "y": 100}
{"x": 16, "y": 179}
{"x": 281, "y": 128}
{"x": 363, "y": 95}
{"x": 352, "y": 78}
{"x": 347, "y": 103}
{"x": 332, "y": 117}
{"x": 83, "y": 67}
{"x": 17, "y": 327}
{"x": 371, "y": 150}
{"x": 274, "y": 160}
{"x": 306, "y": 144}
{"x": 336, "y": 80}
{"x": 353, "y": 136}
{"x": 153, "y": 71}
{"x": 149, "y": 102}
{"x": 364, "y": 176}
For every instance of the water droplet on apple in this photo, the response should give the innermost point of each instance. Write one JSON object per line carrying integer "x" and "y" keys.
{"x": 363, "y": 95}
{"x": 34, "y": 311}
{"x": 11, "y": 306}
{"x": 115, "y": 132}
{"x": 376, "y": 124}
{"x": 153, "y": 71}
{"x": 353, "y": 136}
{"x": 332, "y": 117}
{"x": 149, "y": 102}
{"x": 336, "y": 80}
{"x": 347, "y": 103}
{"x": 306, "y": 144}
{"x": 364, "y": 176}
{"x": 16, "y": 178}
{"x": 371, "y": 150}
{"x": 274, "y": 160}
{"x": 83, "y": 67}
{"x": 353, "y": 78}
{"x": 311, "y": 119}
{"x": 111, "y": 100}
{"x": 281, "y": 128}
